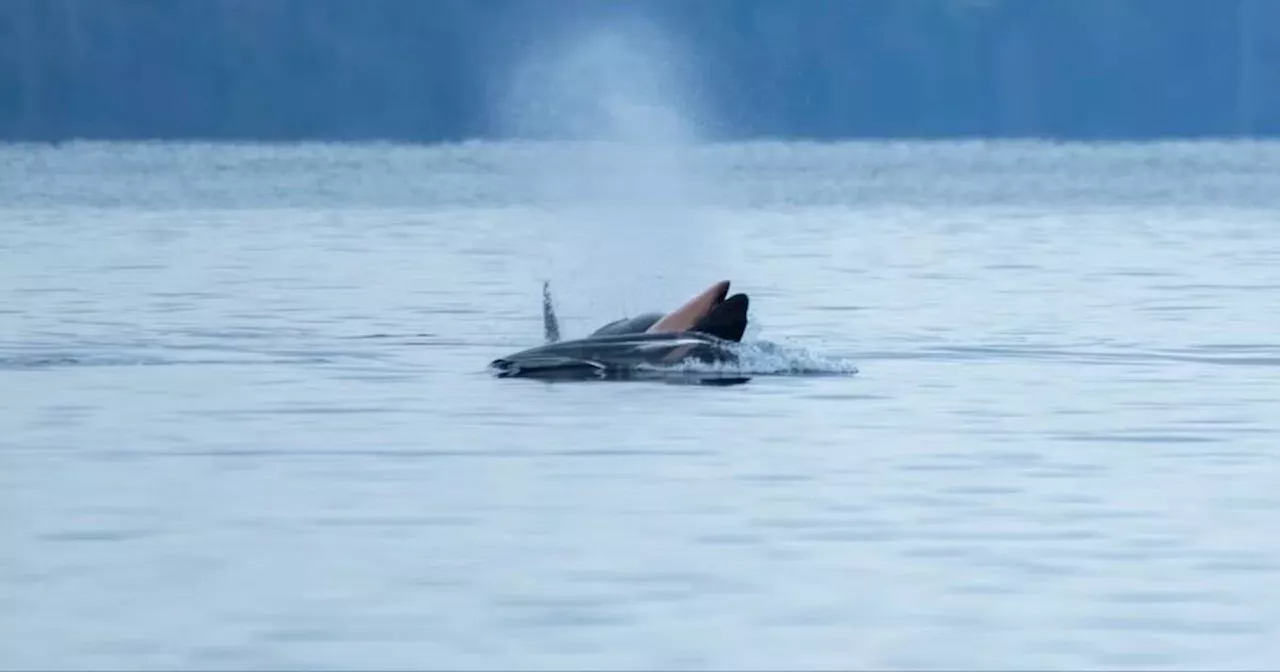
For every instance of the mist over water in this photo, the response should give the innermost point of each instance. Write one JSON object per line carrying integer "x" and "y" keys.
{"x": 613, "y": 81}
{"x": 618, "y": 97}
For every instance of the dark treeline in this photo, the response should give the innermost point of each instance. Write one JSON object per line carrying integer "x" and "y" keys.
{"x": 427, "y": 70}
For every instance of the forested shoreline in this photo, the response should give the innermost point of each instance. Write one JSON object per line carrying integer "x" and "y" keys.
{"x": 432, "y": 70}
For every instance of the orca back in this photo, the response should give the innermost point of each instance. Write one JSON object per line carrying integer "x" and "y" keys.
{"x": 628, "y": 325}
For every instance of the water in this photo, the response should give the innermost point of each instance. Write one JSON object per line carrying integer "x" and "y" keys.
{"x": 246, "y": 421}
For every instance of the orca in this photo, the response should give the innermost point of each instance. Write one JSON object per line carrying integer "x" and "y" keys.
{"x": 705, "y": 329}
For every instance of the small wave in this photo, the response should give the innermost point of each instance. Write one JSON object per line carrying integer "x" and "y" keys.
{"x": 767, "y": 358}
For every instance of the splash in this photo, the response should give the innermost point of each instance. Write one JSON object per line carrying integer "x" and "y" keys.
{"x": 614, "y": 97}
{"x": 608, "y": 118}
{"x": 609, "y": 81}
{"x": 769, "y": 358}
{"x": 760, "y": 356}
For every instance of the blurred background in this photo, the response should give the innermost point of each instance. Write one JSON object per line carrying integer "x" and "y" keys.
{"x": 444, "y": 70}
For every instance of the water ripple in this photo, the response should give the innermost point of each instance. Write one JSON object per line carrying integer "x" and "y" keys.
{"x": 246, "y": 424}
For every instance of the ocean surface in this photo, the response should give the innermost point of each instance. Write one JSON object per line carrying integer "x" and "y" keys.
{"x": 1014, "y": 405}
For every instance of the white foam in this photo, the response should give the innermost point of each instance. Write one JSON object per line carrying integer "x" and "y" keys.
{"x": 763, "y": 358}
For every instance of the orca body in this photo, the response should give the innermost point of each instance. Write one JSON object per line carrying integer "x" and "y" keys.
{"x": 629, "y": 325}
{"x": 615, "y": 357}
{"x": 704, "y": 330}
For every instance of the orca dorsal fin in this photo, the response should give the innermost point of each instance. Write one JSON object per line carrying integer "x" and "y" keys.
{"x": 550, "y": 324}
